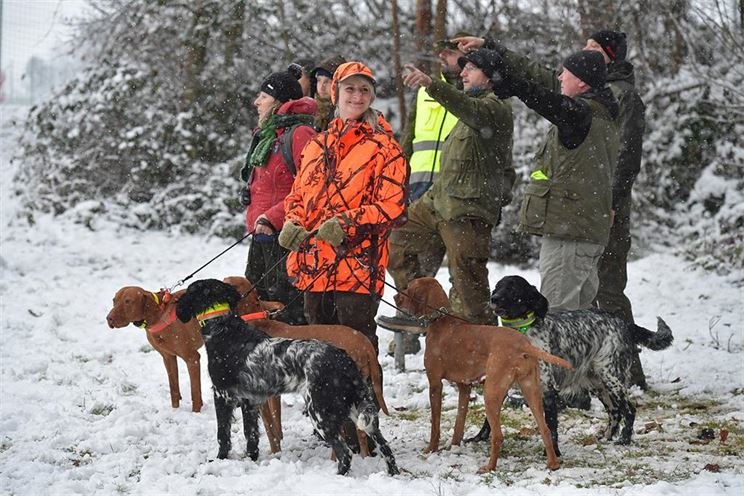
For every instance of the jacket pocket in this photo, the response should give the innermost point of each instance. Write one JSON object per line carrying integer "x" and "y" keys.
{"x": 467, "y": 184}
{"x": 535, "y": 204}
{"x": 587, "y": 256}
{"x": 567, "y": 206}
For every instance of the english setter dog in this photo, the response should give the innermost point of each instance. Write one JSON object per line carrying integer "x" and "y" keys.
{"x": 599, "y": 345}
{"x": 247, "y": 367}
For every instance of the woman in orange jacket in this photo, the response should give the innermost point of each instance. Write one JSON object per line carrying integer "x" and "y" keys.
{"x": 349, "y": 192}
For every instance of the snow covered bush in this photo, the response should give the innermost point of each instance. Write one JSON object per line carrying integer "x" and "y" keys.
{"x": 154, "y": 131}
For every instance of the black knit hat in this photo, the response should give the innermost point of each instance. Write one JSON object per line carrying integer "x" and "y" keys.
{"x": 613, "y": 43}
{"x": 328, "y": 66}
{"x": 589, "y": 66}
{"x": 283, "y": 86}
{"x": 488, "y": 61}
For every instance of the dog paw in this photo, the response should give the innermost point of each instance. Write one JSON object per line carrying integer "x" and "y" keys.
{"x": 623, "y": 441}
{"x": 485, "y": 469}
{"x": 223, "y": 453}
{"x": 429, "y": 449}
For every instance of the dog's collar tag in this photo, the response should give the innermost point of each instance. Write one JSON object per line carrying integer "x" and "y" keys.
{"x": 521, "y": 324}
{"x": 215, "y": 310}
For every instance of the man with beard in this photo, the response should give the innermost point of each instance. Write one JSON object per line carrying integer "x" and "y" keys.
{"x": 457, "y": 213}
{"x": 427, "y": 127}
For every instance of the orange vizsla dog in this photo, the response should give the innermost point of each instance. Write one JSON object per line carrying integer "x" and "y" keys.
{"x": 467, "y": 354}
{"x": 172, "y": 338}
{"x": 353, "y": 342}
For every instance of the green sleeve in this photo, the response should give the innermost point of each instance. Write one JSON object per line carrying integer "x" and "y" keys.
{"x": 473, "y": 111}
{"x": 407, "y": 136}
{"x": 521, "y": 67}
{"x": 630, "y": 122}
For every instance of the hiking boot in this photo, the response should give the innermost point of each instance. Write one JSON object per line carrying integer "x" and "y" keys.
{"x": 411, "y": 345}
{"x": 400, "y": 323}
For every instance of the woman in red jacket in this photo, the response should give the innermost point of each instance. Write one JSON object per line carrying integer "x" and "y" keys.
{"x": 349, "y": 192}
{"x": 285, "y": 121}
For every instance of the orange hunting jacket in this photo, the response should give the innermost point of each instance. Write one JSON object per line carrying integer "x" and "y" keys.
{"x": 361, "y": 177}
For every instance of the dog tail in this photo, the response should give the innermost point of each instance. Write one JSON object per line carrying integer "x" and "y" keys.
{"x": 376, "y": 378}
{"x": 654, "y": 341}
{"x": 548, "y": 357}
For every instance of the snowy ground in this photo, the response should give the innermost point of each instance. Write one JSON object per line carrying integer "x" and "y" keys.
{"x": 85, "y": 410}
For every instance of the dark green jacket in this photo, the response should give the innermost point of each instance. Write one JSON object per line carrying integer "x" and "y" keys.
{"x": 476, "y": 172}
{"x": 571, "y": 198}
{"x": 570, "y": 190}
{"x": 630, "y": 120}
{"x": 631, "y": 130}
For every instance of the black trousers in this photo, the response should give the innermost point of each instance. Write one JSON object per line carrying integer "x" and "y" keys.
{"x": 265, "y": 269}
{"x": 355, "y": 310}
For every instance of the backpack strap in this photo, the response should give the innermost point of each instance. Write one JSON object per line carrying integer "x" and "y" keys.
{"x": 285, "y": 146}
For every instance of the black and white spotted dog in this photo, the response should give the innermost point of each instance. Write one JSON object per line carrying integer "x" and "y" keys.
{"x": 246, "y": 367}
{"x": 599, "y": 345}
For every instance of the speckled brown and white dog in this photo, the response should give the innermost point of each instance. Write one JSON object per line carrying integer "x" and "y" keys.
{"x": 598, "y": 344}
{"x": 246, "y": 367}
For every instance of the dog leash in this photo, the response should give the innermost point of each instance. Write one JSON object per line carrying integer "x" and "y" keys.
{"x": 182, "y": 281}
{"x": 425, "y": 318}
{"x": 270, "y": 269}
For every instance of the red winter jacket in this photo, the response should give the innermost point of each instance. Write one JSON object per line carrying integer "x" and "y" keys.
{"x": 271, "y": 183}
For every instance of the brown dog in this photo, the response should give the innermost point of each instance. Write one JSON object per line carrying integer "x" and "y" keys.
{"x": 133, "y": 305}
{"x": 353, "y": 342}
{"x": 172, "y": 338}
{"x": 467, "y": 354}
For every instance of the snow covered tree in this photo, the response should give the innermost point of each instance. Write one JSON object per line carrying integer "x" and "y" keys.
{"x": 153, "y": 132}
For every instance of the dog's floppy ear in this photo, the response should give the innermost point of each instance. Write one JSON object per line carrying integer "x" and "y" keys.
{"x": 184, "y": 309}
{"x": 538, "y": 302}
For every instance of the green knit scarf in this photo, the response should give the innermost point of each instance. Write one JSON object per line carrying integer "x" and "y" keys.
{"x": 261, "y": 145}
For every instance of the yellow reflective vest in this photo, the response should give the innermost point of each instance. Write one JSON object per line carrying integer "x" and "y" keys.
{"x": 431, "y": 126}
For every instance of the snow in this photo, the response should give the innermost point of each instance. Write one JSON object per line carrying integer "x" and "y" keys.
{"x": 85, "y": 409}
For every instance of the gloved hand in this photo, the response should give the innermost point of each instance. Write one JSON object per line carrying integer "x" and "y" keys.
{"x": 331, "y": 232}
{"x": 503, "y": 87}
{"x": 292, "y": 236}
{"x": 245, "y": 196}
{"x": 501, "y": 83}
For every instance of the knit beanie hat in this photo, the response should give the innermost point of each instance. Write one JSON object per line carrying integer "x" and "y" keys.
{"x": 328, "y": 66}
{"x": 488, "y": 61}
{"x": 282, "y": 86}
{"x": 613, "y": 43}
{"x": 589, "y": 66}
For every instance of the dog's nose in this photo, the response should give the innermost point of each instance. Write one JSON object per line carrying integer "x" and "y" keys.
{"x": 110, "y": 320}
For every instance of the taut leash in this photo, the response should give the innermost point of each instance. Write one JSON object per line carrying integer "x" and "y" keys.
{"x": 182, "y": 281}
